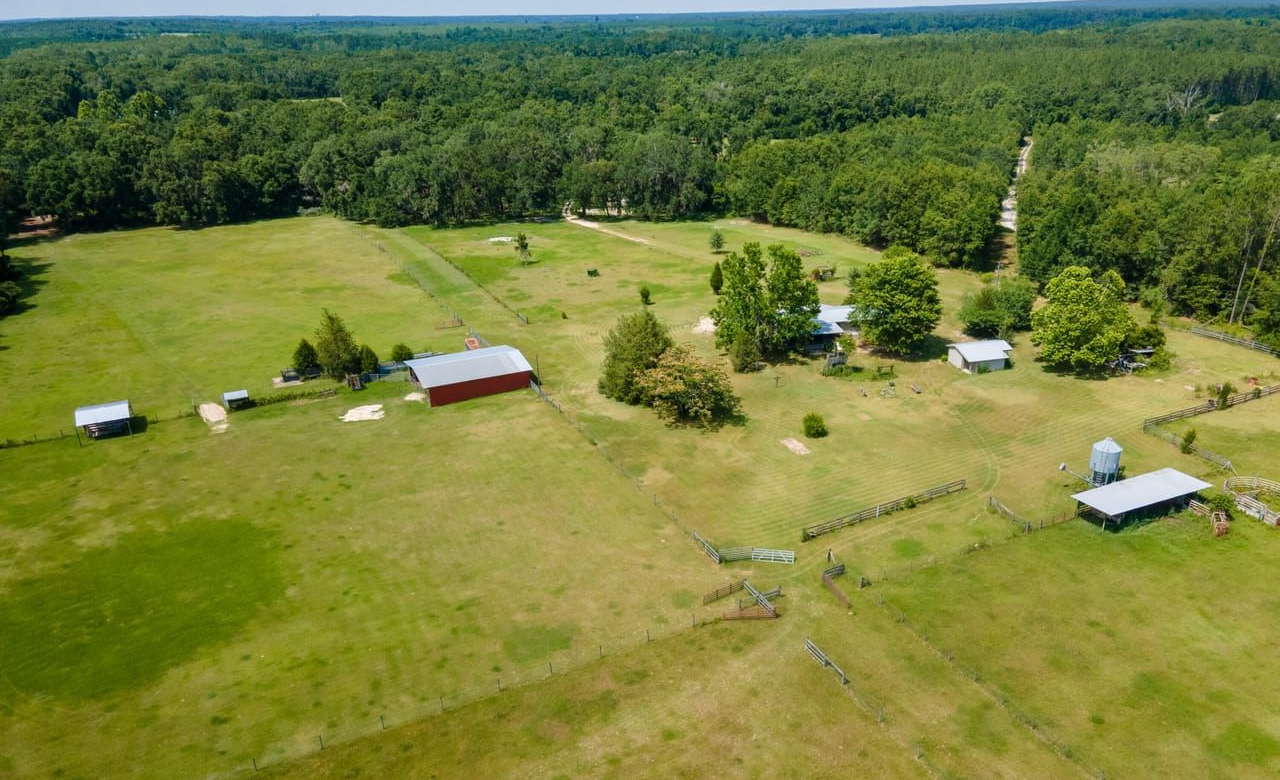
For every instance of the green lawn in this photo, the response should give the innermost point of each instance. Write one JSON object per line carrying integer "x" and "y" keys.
{"x": 163, "y": 316}
{"x": 184, "y": 603}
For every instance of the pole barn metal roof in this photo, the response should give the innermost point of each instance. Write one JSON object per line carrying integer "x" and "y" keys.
{"x": 113, "y": 411}
{"x": 455, "y": 367}
{"x": 1144, "y": 490}
{"x": 982, "y": 351}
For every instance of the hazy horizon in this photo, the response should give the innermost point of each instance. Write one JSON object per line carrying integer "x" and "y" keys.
{"x": 86, "y": 9}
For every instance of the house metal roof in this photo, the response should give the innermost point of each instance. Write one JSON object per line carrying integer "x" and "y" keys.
{"x": 1144, "y": 490}
{"x": 831, "y": 320}
{"x": 103, "y": 413}
{"x": 455, "y": 367}
{"x": 982, "y": 351}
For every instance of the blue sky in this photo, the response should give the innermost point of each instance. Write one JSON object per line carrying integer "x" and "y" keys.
{"x": 13, "y": 9}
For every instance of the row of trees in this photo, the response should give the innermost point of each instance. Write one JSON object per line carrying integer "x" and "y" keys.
{"x": 335, "y": 351}
{"x": 644, "y": 366}
{"x": 901, "y": 140}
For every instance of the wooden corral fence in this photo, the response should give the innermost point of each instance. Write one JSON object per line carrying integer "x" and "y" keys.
{"x": 1245, "y": 491}
{"x": 905, "y": 502}
{"x": 1254, "y": 345}
{"x": 824, "y": 659}
{"x": 720, "y": 593}
{"x": 753, "y": 612}
{"x": 1027, "y": 525}
{"x": 829, "y": 580}
{"x": 1200, "y": 452}
{"x": 1211, "y": 405}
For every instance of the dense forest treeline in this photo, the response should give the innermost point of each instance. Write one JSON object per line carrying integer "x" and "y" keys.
{"x": 1155, "y": 127}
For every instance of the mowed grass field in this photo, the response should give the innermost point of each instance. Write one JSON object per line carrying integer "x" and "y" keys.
{"x": 162, "y": 316}
{"x": 185, "y": 603}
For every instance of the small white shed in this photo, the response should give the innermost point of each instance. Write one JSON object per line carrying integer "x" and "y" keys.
{"x": 979, "y": 356}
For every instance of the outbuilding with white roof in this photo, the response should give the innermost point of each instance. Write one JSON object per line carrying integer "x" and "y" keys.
{"x": 111, "y": 418}
{"x": 976, "y": 357}
{"x": 1151, "y": 491}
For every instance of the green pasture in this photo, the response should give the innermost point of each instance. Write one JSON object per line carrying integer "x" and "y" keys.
{"x": 183, "y": 603}
{"x": 162, "y": 316}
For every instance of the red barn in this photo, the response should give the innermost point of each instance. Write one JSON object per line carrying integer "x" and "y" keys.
{"x": 471, "y": 374}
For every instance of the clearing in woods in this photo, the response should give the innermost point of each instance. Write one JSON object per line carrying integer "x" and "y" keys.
{"x": 355, "y": 575}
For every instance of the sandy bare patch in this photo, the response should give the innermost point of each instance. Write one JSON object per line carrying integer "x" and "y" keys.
{"x": 215, "y": 415}
{"x": 795, "y": 446}
{"x": 705, "y": 325}
{"x": 277, "y": 382}
{"x": 363, "y": 413}
{"x": 416, "y": 396}
{"x": 864, "y": 416}
{"x": 501, "y": 240}
{"x": 586, "y": 223}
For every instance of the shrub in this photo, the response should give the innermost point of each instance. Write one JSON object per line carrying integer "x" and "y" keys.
{"x": 368, "y": 359}
{"x": 717, "y": 278}
{"x": 1188, "y": 441}
{"x": 1221, "y": 502}
{"x": 644, "y": 296}
{"x": 814, "y": 426}
{"x": 743, "y": 354}
{"x": 683, "y": 389}
{"x": 304, "y": 356}
{"x": 1225, "y": 391}
{"x": 401, "y": 353}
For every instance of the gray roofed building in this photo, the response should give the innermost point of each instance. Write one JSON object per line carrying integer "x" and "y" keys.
{"x": 1152, "y": 489}
{"x": 96, "y": 414}
{"x": 457, "y": 376}
{"x": 113, "y": 417}
{"x": 971, "y": 356}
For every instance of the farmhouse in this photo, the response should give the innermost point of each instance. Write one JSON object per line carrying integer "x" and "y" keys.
{"x": 458, "y": 376}
{"x": 979, "y": 356}
{"x": 833, "y": 320}
{"x": 1145, "y": 494}
{"x": 107, "y": 419}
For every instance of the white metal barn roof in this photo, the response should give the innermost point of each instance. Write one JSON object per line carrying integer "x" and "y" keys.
{"x": 830, "y": 319}
{"x": 455, "y": 367}
{"x": 1144, "y": 490}
{"x": 234, "y": 395}
{"x": 982, "y": 351}
{"x": 102, "y": 413}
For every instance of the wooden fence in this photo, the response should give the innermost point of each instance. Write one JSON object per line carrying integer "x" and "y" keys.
{"x": 1242, "y": 490}
{"x": 1200, "y": 452}
{"x": 1027, "y": 525}
{"x": 1254, "y": 345}
{"x": 881, "y": 509}
{"x": 829, "y": 580}
{"x": 720, "y": 593}
{"x": 1211, "y": 405}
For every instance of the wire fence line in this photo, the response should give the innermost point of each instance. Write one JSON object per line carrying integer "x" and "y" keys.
{"x": 618, "y": 464}
{"x": 1200, "y": 330}
{"x": 485, "y": 686}
{"x": 995, "y": 694}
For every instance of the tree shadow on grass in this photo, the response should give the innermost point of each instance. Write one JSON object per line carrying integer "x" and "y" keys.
{"x": 1094, "y": 375}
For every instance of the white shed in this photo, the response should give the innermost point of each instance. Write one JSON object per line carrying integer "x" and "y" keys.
{"x": 979, "y": 356}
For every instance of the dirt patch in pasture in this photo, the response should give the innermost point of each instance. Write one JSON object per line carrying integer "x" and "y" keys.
{"x": 704, "y": 326}
{"x": 215, "y": 416}
{"x": 795, "y": 446}
{"x": 501, "y": 240}
{"x": 864, "y": 416}
{"x": 363, "y": 413}
{"x": 416, "y": 396}
{"x": 277, "y": 382}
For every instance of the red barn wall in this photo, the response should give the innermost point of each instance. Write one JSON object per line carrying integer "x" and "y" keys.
{"x": 462, "y": 391}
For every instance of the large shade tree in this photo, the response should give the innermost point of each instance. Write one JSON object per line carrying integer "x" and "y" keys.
{"x": 897, "y": 300}
{"x": 1085, "y": 321}
{"x": 632, "y": 347}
